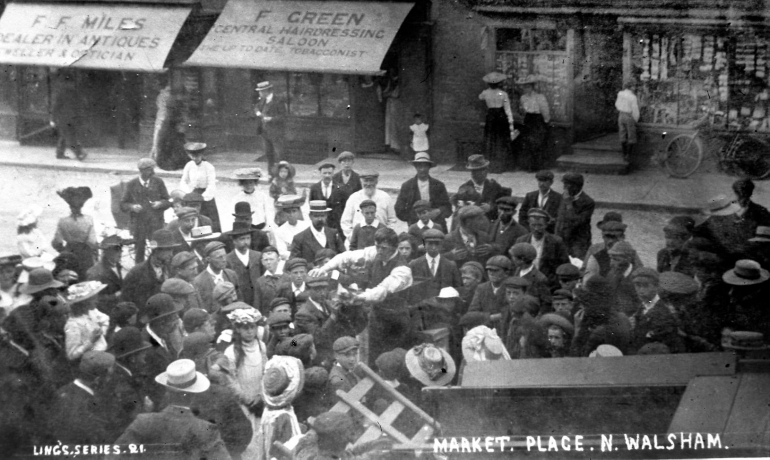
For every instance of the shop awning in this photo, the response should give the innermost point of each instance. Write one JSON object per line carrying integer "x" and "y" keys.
{"x": 328, "y": 37}
{"x": 100, "y": 36}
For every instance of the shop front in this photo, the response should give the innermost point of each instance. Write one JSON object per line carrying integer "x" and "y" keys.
{"x": 107, "y": 49}
{"x": 337, "y": 66}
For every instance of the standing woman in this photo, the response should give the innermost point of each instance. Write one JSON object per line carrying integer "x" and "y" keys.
{"x": 537, "y": 115}
{"x": 499, "y": 123}
{"x": 75, "y": 233}
{"x": 199, "y": 176}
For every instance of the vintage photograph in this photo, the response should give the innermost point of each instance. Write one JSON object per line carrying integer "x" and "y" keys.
{"x": 420, "y": 229}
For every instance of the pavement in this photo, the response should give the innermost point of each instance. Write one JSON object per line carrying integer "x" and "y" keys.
{"x": 646, "y": 190}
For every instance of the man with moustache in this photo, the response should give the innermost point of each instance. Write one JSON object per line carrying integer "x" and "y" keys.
{"x": 318, "y": 236}
{"x": 145, "y": 198}
{"x": 146, "y": 278}
{"x": 423, "y": 187}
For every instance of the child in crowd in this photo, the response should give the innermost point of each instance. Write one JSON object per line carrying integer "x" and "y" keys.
{"x": 283, "y": 184}
{"x": 246, "y": 359}
{"x": 29, "y": 239}
{"x": 423, "y": 210}
{"x": 563, "y": 302}
{"x": 342, "y": 377}
{"x": 407, "y": 246}
{"x": 283, "y": 382}
{"x": 363, "y": 234}
{"x": 419, "y": 134}
{"x": 279, "y": 323}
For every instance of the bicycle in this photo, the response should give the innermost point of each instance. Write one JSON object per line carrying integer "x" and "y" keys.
{"x": 744, "y": 155}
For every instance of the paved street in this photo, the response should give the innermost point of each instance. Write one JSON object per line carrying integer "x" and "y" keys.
{"x": 23, "y": 186}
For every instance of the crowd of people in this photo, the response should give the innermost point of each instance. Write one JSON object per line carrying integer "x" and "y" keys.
{"x": 218, "y": 344}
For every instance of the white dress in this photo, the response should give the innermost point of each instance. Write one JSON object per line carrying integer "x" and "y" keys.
{"x": 420, "y": 137}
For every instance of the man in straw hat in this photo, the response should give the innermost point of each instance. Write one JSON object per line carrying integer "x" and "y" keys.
{"x": 216, "y": 272}
{"x": 284, "y": 235}
{"x": 748, "y": 296}
{"x": 146, "y": 278}
{"x": 271, "y": 123}
{"x": 331, "y": 192}
{"x": 145, "y": 197}
{"x": 722, "y": 228}
{"x": 176, "y": 427}
{"x": 318, "y": 235}
{"x": 488, "y": 189}
{"x": 423, "y": 187}
{"x": 385, "y": 210}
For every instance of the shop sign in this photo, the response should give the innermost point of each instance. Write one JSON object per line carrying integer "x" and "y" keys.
{"x": 330, "y": 37}
{"x": 89, "y": 36}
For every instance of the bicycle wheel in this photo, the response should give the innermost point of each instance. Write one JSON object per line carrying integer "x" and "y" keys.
{"x": 684, "y": 155}
{"x": 752, "y": 159}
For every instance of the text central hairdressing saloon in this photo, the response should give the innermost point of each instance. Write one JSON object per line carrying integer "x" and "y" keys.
{"x": 319, "y": 58}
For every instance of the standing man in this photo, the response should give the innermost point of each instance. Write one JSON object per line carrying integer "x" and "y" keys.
{"x": 489, "y": 189}
{"x": 331, "y": 192}
{"x": 628, "y": 115}
{"x": 271, "y": 123}
{"x": 215, "y": 273}
{"x": 544, "y": 198}
{"x": 348, "y": 180}
{"x": 438, "y": 272}
{"x": 145, "y": 279}
{"x": 145, "y": 198}
{"x": 573, "y": 224}
{"x": 66, "y": 116}
{"x": 318, "y": 236}
{"x": 423, "y": 187}
{"x": 352, "y": 214}
{"x": 245, "y": 262}
{"x": 505, "y": 230}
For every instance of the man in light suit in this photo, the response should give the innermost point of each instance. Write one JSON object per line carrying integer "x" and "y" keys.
{"x": 573, "y": 224}
{"x": 318, "y": 236}
{"x": 331, "y": 192}
{"x": 245, "y": 262}
{"x": 423, "y": 187}
{"x": 145, "y": 198}
{"x": 215, "y": 273}
{"x": 435, "y": 271}
{"x": 544, "y": 198}
{"x": 551, "y": 250}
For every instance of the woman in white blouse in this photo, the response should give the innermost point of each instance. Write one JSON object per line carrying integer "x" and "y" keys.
{"x": 86, "y": 327}
{"x": 499, "y": 122}
{"x": 537, "y": 115}
{"x": 199, "y": 176}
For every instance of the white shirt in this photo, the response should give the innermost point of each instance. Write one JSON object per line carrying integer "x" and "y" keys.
{"x": 399, "y": 279}
{"x": 318, "y": 306}
{"x": 542, "y": 200}
{"x": 538, "y": 245}
{"x": 326, "y": 190}
{"x": 199, "y": 176}
{"x": 156, "y": 337}
{"x": 647, "y": 306}
{"x": 526, "y": 271}
{"x": 420, "y": 137}
{"x": 628, "y": 103}
{"x": 319, "y": 236}
{"x": 535, "y": 103}
{"x": 85, "y": 387}
{"x": 285, "y": 234}
{"x": 244, "y": 258}
{"x": 217, "y": 278}
{"x": 424, "y": 187}
{"x": 298, "y": 290}
{"x": 261, "y": 205}
{"x": 422, "y": 226}
{"x": 431, "y": 260}
{"x": 352, "y": 215}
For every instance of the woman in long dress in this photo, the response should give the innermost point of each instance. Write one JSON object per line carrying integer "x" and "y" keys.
{"x": 499, "y": 122}
{"x": 537, "y": 115}
{"x": 168, "y": 147}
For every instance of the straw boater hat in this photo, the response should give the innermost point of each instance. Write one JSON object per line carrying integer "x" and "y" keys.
{"x": 319, "y": 206}
{"x": 761, "y": 234}
{"x": 31, "y": 263}
{"x": 264, "y": 86}
{"x": 289, "y": 201}
{"x": 528, "y": 80}
{"x": 422, "y": 157}
{"x": 721, "y": 205}
{"x": 476, "y": 162}
{"x": 83, "y": 291}
{"x": 181, "y": 376}
{"x": 746, "y": 272}
{"x": 248, "y": 174}
{"x": 426, "y": 359}
{"x": 494, "y": 77}
{"x": 744, "y": 340}
{"x": 203, "y": 233}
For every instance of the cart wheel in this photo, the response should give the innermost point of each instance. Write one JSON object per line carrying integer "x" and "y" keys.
{"x": 684, "y": 155}
{"x": 752, "y": 159}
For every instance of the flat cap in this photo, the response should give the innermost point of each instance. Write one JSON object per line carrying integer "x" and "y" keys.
{"x": 176, "y": 286}
{"x": 573, "y": 178}
{"x": 420, "y": 205}
{"x": 278, "y": 301}
{"x": 145, "y": 163}
{"x": 622, "y": 248}
{"x": 223, "y": 290}
{"x": 293, "y": 263}
{"x": 96, "y": 363}
{"x": 499, "y": 262}
{"x": 506, "y": 201}
{"x": 267, "y": 249}
{"x": 561, "y": 294}
{"x": 213, "y": 246}
{"x": 333, "y": 424}
{"x": 527, "y": 304}
{"x": 317, "y": 281}
{"x": 433, "y": 234}
{"x": 544, "y": 174}
{"x": 279, "y": 318}
{"x": 346, "y": 156}
{"x": 194, "y": 318}
{"x": 537, "y": 212}
{"x": 524, "y": 251}
{"x": 646, "y": 272}
{"x": 516, "y": 281}
{"x": 237, "y": 305}
{"x": 369, "y": 175}
{"x": 473, "y": 265}
{"x": 345, "y": 344}
{"x": 182, "y": 258}
{"x": 316, "y": 377}
{"x": 468, "y": 212}
{"x": 473, "y": 319}
{"x": 184, "y": 212}
{"x": 193, "y": 197}
{"x": 367, "y": 204}
{"x": 678, "y": 283}
{"x": 392, "y": 364}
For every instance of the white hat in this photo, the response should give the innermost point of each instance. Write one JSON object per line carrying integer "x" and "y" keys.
{"x": 181, "y": 376}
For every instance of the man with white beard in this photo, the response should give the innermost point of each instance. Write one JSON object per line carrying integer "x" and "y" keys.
{"x": 352, "y": 214}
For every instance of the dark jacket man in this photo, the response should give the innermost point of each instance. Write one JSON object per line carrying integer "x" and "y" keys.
{"x": 247, "y": 275}
{"x": 552, "y": 205}
{"x": 204, "y": 284}
{"x": 140, "y": 284}
{"x": 490, "y": 192}
{"x": 335, "y": 200}
{"x": 148, "y": 219}
{"x": 410, "y": 193}
{"x": 447, "y": 275}
{"x": 573, "y": 223}
{"x": 305, "y": 245}
{"x": 554, "y": 254}
{"x": 353, "y": 184}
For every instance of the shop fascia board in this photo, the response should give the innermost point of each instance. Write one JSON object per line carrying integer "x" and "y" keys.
{"x": 114, "y": 2}
{"x": 719, "y": 14}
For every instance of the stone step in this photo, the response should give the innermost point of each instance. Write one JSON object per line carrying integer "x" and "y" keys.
{"x": 593, "y": 161}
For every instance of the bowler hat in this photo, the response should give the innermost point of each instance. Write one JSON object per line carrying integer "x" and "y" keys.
{"x": 240, "y": 228}
{"x": 422, "y": 157}
{"x": 611, "y": 216}
{"x": 181, "y": 376}
{"x": 746, "y": 272}
{"x": 345, "y": 344}
{"x": 39, "y": 280}
{"x": 476, "y": 162}
{"x": 127, "y": 341}
{"x": 160, "y": 306}
{"x": 243, "y": 209}
{"x": 163, "y": 239}
{"x": 319, "y": 206}
{"x": 96, "y": 363}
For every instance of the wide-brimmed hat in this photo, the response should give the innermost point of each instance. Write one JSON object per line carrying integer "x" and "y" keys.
{"x": 76, "y": 196}
{"x": 425, "y": 359}
{"x": 29, "y": 216}
{"x": 247, "y": 173}
{"x": 283, "y": 380}
{"x": 83, "y": 291}
{"x": 555, "y": 319}
{"x": 745, "y": 340}
{"x": 240, "y": 228}
{"x": 163, "y": 239}
{"x": 31, "y": 263}
{"x": 263, "y": 86}
{"x": 480, "y": 343}
{"x": 244, "y": 316}
{"x": 494, "y": 77}
{"x": 127, "y": 341}
{"x": 528, "y": 80}
{"x": 40, "y": 279}
{"x": 195, "y": 147}
{"x": 319, "y": 206}
{"x": 392, "y": 364}
{"x": 202, "y": 233}
{"x": 761, "y": 234}
{"x": 746, "y": 272}
{"x": 476, "y": 162}
{"x": 721, "y": 205}
{"x": 422, "y": 157}
{"x": 181, "y": 376}
{"x": 160, "y": 306}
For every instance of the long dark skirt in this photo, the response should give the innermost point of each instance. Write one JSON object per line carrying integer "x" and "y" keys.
{"x": 497, "y": 139}
{"x": 533, "y": 143}
{"x": 209, "y": 209}
{"x": 171, "y": 154}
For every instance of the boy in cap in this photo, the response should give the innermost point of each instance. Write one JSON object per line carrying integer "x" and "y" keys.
{"x": 470, "y": 241}
{"x": 563, "y": 302}
{"x": 145, "y": 198}
{"x": 568, "y": 276}
{"x": 348, "y": 180}
{"x": 424, "y": 223}
{"x": 523, "y": 256}
{"x": 490, "y": 296}
{"x": 198, "y": 320}
{"x": 363, "y": 232}
{"x": 272, "y": 279}
{"x": 551, "y": 250}
{"x": 654, "y": 321}
{"x": 385, "y": 212}
{"x": 573, "y": 223}
{"x": 341, "y": 376}
{"x": 332, "y": 193}
{"x": 215, "y": 273}
{"x": 295, "y": 291}
{"x": 505, "y": 230}
{"x": 598, "y": 263}
{"x": 183, "y": 293}
{"x": 544, "y": 198}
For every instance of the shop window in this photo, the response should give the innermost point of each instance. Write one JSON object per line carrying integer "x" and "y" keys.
{"x": 542, "y": 54}
{"x": 7, "y": 89}
{"x": 35, "y": 90}
{"x": 312, "y": 94}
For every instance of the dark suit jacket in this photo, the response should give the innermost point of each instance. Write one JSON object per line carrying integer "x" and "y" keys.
{"x": 539, "y": 288}
{"x": 486, "y": 301}
{"x": 416, "y": 232}
{"x": 157, "y": 359}
{"x": 179, "y": 429}
{"x": 204, "y": 284}
{"x": 455, "y": 240}
{"x": 66, "y": 106}
{"x": 336, "y": 201}
{"x": 305, "y": 245}
{"x": 276, "y": 110}
{"x": 139, "y": 285}
{"x": 574, "y": 224}
{"x": 268, "y": 286}
{"x": 79, "y": 418}
{"x": 554, "y": 254}
{"x": 353, "y": 185}
{"x": 363, "y": 237}
{"x": 504, "y": 241}
{"x": 101, "y": 272}
{"x": 410, "y": 193}
{"x": 447, "y": 275}
{"x": 246, "y": 274}
{"x": 147, "y": 220}
{"x": 552, "y": 205}
{"x": 491, "y": 192}
{"x": 286, "y": 290}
